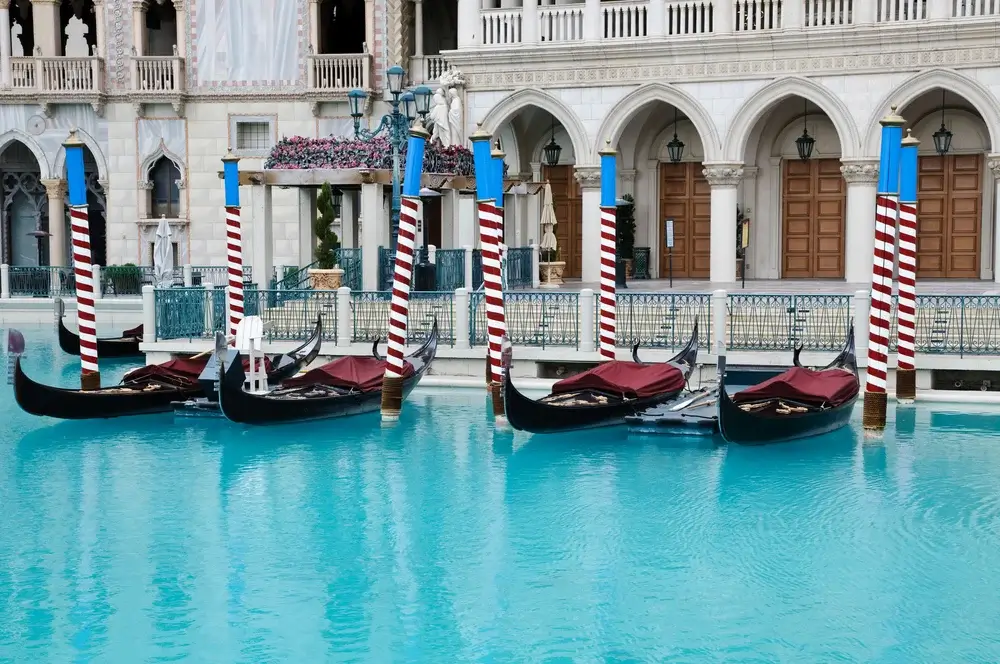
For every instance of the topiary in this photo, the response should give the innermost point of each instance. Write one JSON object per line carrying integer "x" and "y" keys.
{"x": 326, "y": 240}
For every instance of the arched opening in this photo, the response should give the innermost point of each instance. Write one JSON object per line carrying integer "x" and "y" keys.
{"x": 78, "y": 20}
{"x": 23, "y": 213}
{"x": 794, "y": 194}
{"x": 663, "y": 149}
{"x": 166, "y": 196}
{"x": 342, "y": 26}
{"x": 22, "y": 29}
{"x": 954, "y": 190}
{"x": 161, "y": 28}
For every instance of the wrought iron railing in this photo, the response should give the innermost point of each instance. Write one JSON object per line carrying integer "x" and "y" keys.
{"x": 386, "y": 262}
{"x": 518, "y": 267}
{"x": 477, "y": 269}
{"x": 660, "y": 320}
{"x": 532, "y": 319}
{"x": 217, "y": 275}
{"x": 349, "y": 260}
{"x": 449, "y": 269}
{"x": 640, "y": 262}
{"x": 128, "y": 280}
{"x": 42, "y": 281}
{"x": 370, "y": 315}
{"x": 783, "y": 322}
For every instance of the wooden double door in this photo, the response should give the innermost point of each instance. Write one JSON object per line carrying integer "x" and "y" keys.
{"x": 567, "y": 203}
{"x": 813, "y": 205}
{"x": 949, "y": 216}
{"x": 685, "y": 197}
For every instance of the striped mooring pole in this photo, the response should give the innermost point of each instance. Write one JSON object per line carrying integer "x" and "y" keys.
{"x": 90, "y": 374}
{"x": 487, "y": 190}
{"x": 234, "y": 242}
{"x": 886, "y": 204}
{"x": 906, "y": 309}
{"x": 402, "y": 275}
{"x": 609, "y": 254}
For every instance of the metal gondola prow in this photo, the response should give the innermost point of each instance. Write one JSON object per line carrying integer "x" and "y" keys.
{"x": 15, "y": 349}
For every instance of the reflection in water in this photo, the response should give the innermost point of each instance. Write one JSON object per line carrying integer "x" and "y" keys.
{"x": 441, "y": 539}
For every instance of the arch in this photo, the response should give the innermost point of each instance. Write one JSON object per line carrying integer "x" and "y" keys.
{"x": 758, "y": 104}
{"x": 524, "y": 97}
{"x": 151, "y": 159}
{"x": 619, "y": 117}
{"x": 974, "y": 92}
{"x": 95, "y": 151}
{"x": 12, "y": 135}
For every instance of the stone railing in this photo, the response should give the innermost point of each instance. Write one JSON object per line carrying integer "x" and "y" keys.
{"x": 339, "y": 72}
{"x": 57, "y": 75}
{"x": 158, "y": 74}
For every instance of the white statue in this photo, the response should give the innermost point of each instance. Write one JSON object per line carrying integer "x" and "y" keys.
{"x": 455, "y": 116}
{"x": 76, "y": 43}
{"x": 16, "y": 48}
{"x": 438, "y": 117}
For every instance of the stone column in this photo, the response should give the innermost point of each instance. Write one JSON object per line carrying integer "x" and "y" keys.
{"x": 99, "y": 37}
{"x": 347, "y": 220}
{"x": 139, "y": 8}
{"x": 55, "y": 191}
{"x": 418, "y": 28}
{"x": 314, "y": 26}
{"x": 307, "y": 212}
{"x": 859, "y": 233}
{"x": 4, "y": 43}
{"x": 262, "y": 248}
{"x": 181, "y": 37}
{"x": 993, "y": 162}
{"x": 371, "y": 206}
{"x": 48, "y": 29}
{"x": 723, "y": 179}
{"x": 589, "y": 178}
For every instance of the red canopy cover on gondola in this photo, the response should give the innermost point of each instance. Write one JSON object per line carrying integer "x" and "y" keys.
{"x": 135, "y": 332}
{"x": 357, "y": 373}
{"x": 832, "y": 387}
{"x": 185, "y": 369}
{"x": 632, "y": 380}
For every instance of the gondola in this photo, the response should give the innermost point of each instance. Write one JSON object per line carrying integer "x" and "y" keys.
{"x": 345, "y": 386}
{"x": 602, "y": 396}
{"x": 797, "y": 403}
{"x": 127, "y": 345}
{"x": 142, "y": 391}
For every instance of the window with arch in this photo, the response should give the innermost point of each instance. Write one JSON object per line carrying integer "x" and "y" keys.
{"x": 165, "y": 200}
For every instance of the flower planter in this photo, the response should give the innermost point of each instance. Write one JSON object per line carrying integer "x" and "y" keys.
{"x": 551, "y": 273}
{"x": 629, "y": 269}
{"x": 326, "y": 279}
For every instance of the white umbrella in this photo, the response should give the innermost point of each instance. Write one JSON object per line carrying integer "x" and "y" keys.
{"x": 163, "y": 256}
{"x": 548, "y": 221}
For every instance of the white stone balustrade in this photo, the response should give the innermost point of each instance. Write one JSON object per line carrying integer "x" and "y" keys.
{"x": 340, "y": 72}
{"x": 57, "y": 74}
{"x": 158, "y": 74}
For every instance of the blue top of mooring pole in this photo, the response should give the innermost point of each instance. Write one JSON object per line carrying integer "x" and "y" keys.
{"x": 888, "y": 167}
{"x": 908, "y": 168}
{"x": 608, "y": 177}
{"x": 482, "y": 161}
{"x": 497, "y": 157}
{"x": 231, "y": 177}
{"x": 414, "y": 159}
{"x": 77, "y": 185}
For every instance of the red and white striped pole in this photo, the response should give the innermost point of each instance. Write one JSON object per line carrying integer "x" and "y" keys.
{"x": 488, "y": 186}
{"x": 906, "y": 308}
{"x": 234, "y": 243}
{"x": 402, "y": 276}
{"x": 886, "y": 205}
{"x": 609, "y": 255}
{"x": 90, "y": 375}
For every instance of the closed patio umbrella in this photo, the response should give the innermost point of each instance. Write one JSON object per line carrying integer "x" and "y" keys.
{"x": 548, "y": 221}
{"x": 163, "y": 256}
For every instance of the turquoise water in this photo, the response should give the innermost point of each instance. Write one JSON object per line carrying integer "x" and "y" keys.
{"x": 444, "y": 541}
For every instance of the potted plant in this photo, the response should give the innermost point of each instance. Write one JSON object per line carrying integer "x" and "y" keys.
{"x": 122, "y": 279}
{"x": 326, "y": 275}
{"x": 625, "y": 231}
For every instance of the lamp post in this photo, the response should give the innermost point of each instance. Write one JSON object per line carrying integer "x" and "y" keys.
{"x": 405, "y": 108}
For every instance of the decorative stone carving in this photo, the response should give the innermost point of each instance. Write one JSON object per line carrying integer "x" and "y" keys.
{"x": 724, "y": 175}
{"x": 447, "y": 117}
{"x": 750, "y": 172}
{"x": 16, "y": 48}
{"x": 145, "y": 184}
{"x": 55, "y": 188}
{"x": 993, "y": 163}
{"x": 589, "y": 177}
{"x": 864, "y": 172}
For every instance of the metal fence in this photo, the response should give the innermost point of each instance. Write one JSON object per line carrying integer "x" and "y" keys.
{"x": 449, "y": 269}
{"x": 659, "y": 320}
{"x": 370, "y": 315}
{"x": 349, "y": 260}
{"x": 518, "y": 267}
{"x": 532, "y": 319}
{"x": 783, "y": 322}
{"x": 42, "y": 282}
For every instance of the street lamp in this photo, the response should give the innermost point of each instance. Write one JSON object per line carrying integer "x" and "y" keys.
{"x": 405, "y": 108}
{"x": 942, "y": 137}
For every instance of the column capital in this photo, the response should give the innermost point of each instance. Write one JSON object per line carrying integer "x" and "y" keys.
{"x": 993, "y": 163}
{"x": 723, "y": 175}
{"x": 860, "y": 171}
{"x": 54, "y": 188}
{"x": 750, "y": 172}
{"x": 589, "y": 177}
{"x": 46, "y": 2}
{"x": 627, "y": 175}
{"x": 5, "y": 4}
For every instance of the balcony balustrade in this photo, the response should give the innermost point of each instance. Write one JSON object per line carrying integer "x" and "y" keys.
{"x": 158, "y": 79}
{"x": 339, "y": 73}
{"x": 46, "y": 80}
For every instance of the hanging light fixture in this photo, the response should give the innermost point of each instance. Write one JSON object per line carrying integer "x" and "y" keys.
{"x": 804, "y": 143}
{"x": 942, "y": 137}
{"x": 675, "y": 148}
{"x": 553, "y": 149}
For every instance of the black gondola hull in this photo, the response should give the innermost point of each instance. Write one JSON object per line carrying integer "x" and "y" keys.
{"x": 69, "y": 342}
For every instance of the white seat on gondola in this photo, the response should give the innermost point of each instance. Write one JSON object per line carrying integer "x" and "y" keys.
{"x": 250, "y": 342}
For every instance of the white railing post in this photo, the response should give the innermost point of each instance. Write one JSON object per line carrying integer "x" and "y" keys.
{"x": 862, "y": 310}
{"x": 5, "y": 281}
{"x": 529, "y": 23}
{"x": 792, "y": 14}
{"x": 939, "y": 9}
{"x": 432, "y": 254}
{"x": 188, "y": 272}
{"x": 95, "y": 275}
{"x": 535, "y": 259}
{"x": 148, "y": 315}
{"x": 587, "y": 324}
{"x": 718, "y": 338}
{"x": 461, "y": 318}
{"x": 345, "y": 319}
{"x": 468, "y": 267}
{"x": 210, "y": 310}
